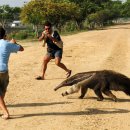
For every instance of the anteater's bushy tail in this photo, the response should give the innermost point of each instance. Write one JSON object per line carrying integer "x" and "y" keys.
{"x": 121, "y": 83}
{"x": 124, "y": 88}
{"x": 127, "y": 91}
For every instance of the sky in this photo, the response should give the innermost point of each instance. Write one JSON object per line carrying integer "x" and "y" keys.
{"x": 13, "y": 3}
{"x": 18, "y": 3}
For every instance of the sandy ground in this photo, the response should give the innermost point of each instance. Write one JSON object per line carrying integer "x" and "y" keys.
{"x": 34, "y": 105}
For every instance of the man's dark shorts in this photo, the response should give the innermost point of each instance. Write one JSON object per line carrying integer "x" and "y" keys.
{"x": 54, "y": 53}
{"x": 4, "y": 81}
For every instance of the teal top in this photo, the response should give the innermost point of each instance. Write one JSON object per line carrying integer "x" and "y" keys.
{"x": 6, "y": 48}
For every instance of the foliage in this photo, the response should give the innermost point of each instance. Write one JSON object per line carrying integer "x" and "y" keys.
{"x": 8, "y": 14}
{"x": 61, "y": 13}
{"x": 67, "y": 15}
{"x": 22, "y": 34}
{"x": 125, "y": 12}
{"x": 70, "y": 26}
{"x": 99, "y": 19}
{"x": 32, "y": 13}
{"x": 36, "y": 12}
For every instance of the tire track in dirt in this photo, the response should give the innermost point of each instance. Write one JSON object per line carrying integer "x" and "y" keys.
{"x": 36, "y": 106}
{"x": 117, "y": 59}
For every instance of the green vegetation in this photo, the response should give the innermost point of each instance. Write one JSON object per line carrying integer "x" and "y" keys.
{"x": 22, "y": 34}
{"x": 70, "y": 15}
{"x": 67, "y": 15}
{"x": 8, "y": 14}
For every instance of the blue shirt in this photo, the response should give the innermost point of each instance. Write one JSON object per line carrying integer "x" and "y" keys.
{"x": 5, "y": 49}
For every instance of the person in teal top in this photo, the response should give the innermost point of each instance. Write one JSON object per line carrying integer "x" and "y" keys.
{"x": 6, "y": 48}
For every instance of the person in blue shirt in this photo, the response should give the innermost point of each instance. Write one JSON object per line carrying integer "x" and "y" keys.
{"x": 54, "y": 49}
{"x": 6, "y": 48}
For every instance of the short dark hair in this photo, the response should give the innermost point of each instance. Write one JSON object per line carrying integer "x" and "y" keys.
{"x": 2, "y": 32}
{"x": 47, "y": 23}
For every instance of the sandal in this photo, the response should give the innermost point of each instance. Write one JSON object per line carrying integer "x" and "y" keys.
{"x": 68, "y": 74}
{"x": 5, "y": 117}
{"x": 39, "y": 78}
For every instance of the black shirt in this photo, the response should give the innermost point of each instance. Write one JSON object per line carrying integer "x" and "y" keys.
{"x": 50, "y": 44}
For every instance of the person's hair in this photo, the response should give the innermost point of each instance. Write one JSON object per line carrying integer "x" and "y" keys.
{"x": 47, "y": 23}
{"x": 2, "y": 33}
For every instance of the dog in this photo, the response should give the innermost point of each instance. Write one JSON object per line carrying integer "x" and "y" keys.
{"x": 100, "y": 81}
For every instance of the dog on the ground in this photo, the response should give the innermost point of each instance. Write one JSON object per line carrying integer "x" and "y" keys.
{"x": 100, "y": 81}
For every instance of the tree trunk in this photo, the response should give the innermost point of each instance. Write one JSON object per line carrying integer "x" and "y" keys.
{"x": 36, "y": 30}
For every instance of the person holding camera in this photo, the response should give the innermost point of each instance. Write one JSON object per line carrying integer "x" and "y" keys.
{"x": 6, "y": 48}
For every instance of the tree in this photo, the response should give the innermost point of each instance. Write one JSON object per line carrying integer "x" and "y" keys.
{"x": 8, "y": 14}
{"x": 16, "y": 13}
{"x": 125, "y": 12}
{"x": 36, "y": 12}
{"x": 98, "y": 19}
{"x": 114, "y": 8}
{"x": 61, "y": 12}
{"x": 86, "y": 8}
{"x": 33, "y": 13}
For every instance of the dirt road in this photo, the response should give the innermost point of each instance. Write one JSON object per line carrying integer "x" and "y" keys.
{"x": 34, "y": 105}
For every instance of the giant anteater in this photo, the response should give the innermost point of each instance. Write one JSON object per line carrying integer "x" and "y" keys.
{"x": 100, "y": 81}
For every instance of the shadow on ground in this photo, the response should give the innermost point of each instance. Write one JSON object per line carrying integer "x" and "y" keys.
{"x": 105, "y": 99}
{"x": 36, "y": 104}
{"x": 89, "y": 111}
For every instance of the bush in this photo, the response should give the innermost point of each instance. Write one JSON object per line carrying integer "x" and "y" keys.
{"x": 69, "y": 27}
{"x": 22, "y": 34}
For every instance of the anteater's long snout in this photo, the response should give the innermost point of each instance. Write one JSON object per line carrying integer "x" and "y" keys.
{"x": 63, "y": 84}
{"x": 59, "y": 86}
{"x": 75, "y": 79}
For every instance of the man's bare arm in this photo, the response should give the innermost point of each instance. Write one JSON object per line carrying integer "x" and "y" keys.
{"x": 41, "y": 37}
{"x": 14, "y": 42}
